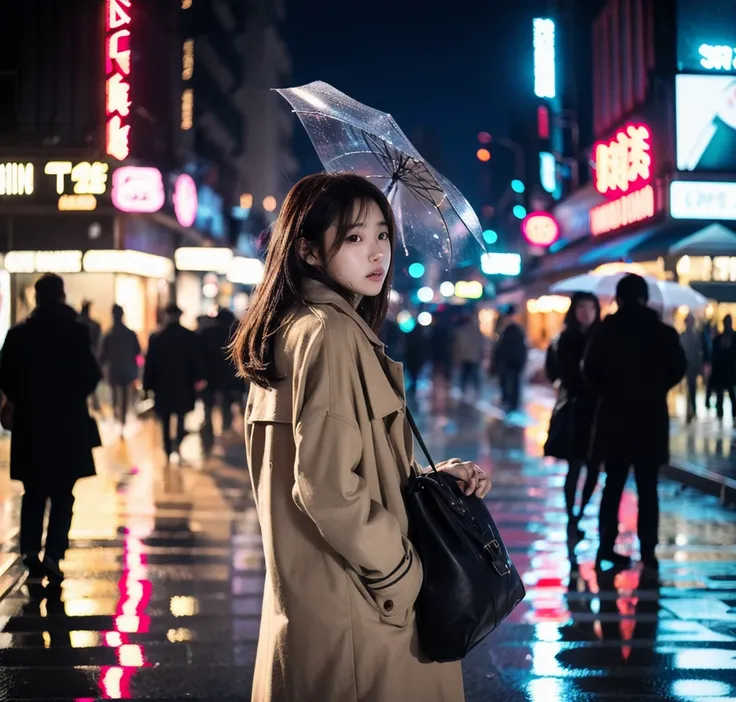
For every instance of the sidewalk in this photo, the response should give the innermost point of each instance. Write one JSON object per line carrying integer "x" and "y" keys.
{"x": 703, "y": 454}
{"x": 137, "y": 461}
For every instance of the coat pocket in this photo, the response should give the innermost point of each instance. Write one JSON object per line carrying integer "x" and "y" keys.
{"x": 395, "y": 595}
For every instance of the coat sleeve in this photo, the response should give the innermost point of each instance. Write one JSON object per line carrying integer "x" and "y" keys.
{"x": 9, "y": 375}
{"x": 89, "y": 369}
{"x": 329, "y": 489}
{"x": 569, "y": 363}
{"x": 676, "y": 359}
{"x": 149, "y": 372}
{"x": 594, "y": 360}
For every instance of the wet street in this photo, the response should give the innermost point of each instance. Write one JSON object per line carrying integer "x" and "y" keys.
{"x": 164, "y": 579}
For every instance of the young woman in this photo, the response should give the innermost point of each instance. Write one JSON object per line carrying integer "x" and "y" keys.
{"x": 581, "y": 321}
{"x": 329, "y": 452}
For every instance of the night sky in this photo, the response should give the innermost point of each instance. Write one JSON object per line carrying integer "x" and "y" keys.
{"x": 459, "y": 70}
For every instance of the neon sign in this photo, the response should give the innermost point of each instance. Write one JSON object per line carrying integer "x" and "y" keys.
{"x": 185, "y": 200}
{"x": 702, "y": 200}
{"x": 544, "y": 58}
{"x": 631, "y": 208}
{"x": 624, "y": 163}
{"x": 717, "y": 58}
{"x": 500, "y": 264}
{"x": 623, "y": 173}
{"x": 138, "y": 189}
{"x": 17, "y": 178}
{"x": 89, "y": 179}
{"x": 117, "y": 78}
{"x": 540, "y": 229}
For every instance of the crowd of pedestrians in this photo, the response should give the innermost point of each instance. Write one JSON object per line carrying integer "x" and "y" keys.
{"x": 50, "y": 371}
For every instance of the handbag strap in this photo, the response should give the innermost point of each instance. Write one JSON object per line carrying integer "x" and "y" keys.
{"x": 420, "y": 440}
{"x": 412, "y": 423}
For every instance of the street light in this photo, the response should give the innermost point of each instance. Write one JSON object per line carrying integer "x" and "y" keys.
{"x": 483, "y": 155}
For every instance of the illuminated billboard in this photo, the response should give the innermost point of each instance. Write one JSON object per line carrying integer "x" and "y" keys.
{"x": 702, "y": 200}
{"x": 117, "y": 78}
{"x": 545, "y": 84}
{"x": 706, "y": 123}
{"x": 706, "y": 36}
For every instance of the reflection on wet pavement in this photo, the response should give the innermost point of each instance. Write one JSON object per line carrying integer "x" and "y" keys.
{"x": 584, "y": 635}
{"x": 165, "y": 574}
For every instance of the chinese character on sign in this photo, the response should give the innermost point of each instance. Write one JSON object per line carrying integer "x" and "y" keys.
{"x": 117, "y": 83}
{"x": 624, "y": 163}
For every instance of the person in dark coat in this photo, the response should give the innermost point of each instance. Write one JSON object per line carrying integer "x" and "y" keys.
{"x": 723, "y": 373}
{"x": 119, "y": 360}
{"x": 174, "y": 373}
{"x": 47, "y": 372}
{"x": 581, "y": 322}
{"x": 509, "y": 359}
{"x": 415, "y": 357}
{"x": 95, "y": 338}
{"x": 223, "y": 383}
{"x": 632, "y": 362}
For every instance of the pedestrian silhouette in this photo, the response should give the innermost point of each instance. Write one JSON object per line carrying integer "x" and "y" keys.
{"x": 174, "y": 371}
{"x": 632, "y": 362}
{"x": 47, "y": 372}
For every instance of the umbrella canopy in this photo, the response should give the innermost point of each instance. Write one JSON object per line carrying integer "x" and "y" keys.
{"x": 663, "y": 294}
{"x": 431, "y": 213}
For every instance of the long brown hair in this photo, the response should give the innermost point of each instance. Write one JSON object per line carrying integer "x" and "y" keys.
{"x": 313, "y": 205}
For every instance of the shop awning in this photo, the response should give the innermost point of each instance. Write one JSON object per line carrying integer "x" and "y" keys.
{"x": 617, "y": 250}
{"x": 713, "y": 240}
{"x": 720, "y": 292}
{"x": 667, "y": 238}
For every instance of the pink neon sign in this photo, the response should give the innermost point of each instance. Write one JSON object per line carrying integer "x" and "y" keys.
{"x": 138, "y": 189}
{"x": 117, "y": 78}
{"x": 185, "y": 200}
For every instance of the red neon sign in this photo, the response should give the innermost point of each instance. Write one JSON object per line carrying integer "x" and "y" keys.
{"x": 138, "y": 189}
{"x": 185, "y": 200}
{"x": 117, "y": 78}
{"x": 624, "y": 163}
{"x": 540, "y": 229}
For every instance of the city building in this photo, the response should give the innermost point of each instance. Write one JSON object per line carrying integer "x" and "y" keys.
{"x": 124, "y": 139}
{"x": 661, "y": 197}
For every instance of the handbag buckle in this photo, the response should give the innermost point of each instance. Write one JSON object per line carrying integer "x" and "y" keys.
{"x": 502, "y": 568}
{"x": 494, "y": 548}
{"x": 500, "y": 564}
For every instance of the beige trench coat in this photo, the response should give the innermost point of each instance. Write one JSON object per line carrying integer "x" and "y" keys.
{"x": 329, "y": 451}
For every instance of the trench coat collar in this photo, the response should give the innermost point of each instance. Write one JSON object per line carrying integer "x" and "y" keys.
{"x": 318, "y": 293}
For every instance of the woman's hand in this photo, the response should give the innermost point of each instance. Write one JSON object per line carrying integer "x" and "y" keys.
{"x": 472, "y": 479}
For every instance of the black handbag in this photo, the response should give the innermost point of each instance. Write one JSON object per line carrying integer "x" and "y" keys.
{"x": 561, "y": 428}
{"x": 470, "y": 584}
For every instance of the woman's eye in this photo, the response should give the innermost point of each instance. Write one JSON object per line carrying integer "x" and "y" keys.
{"x": 353, "y": 238}
{"x": 383, "y": 235}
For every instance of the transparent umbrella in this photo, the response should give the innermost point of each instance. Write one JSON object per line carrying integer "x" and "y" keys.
{"x": 663, "y": 294}
{"x": 431, "y": 213}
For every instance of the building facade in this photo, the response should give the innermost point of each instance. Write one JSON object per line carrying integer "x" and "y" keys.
{"x": 122, "y": 142}
{"x": 661, "y": 168}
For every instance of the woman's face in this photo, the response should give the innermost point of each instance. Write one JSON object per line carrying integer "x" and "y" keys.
{"x": 361, "y": 264}
{"x": 586, "y": 313}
